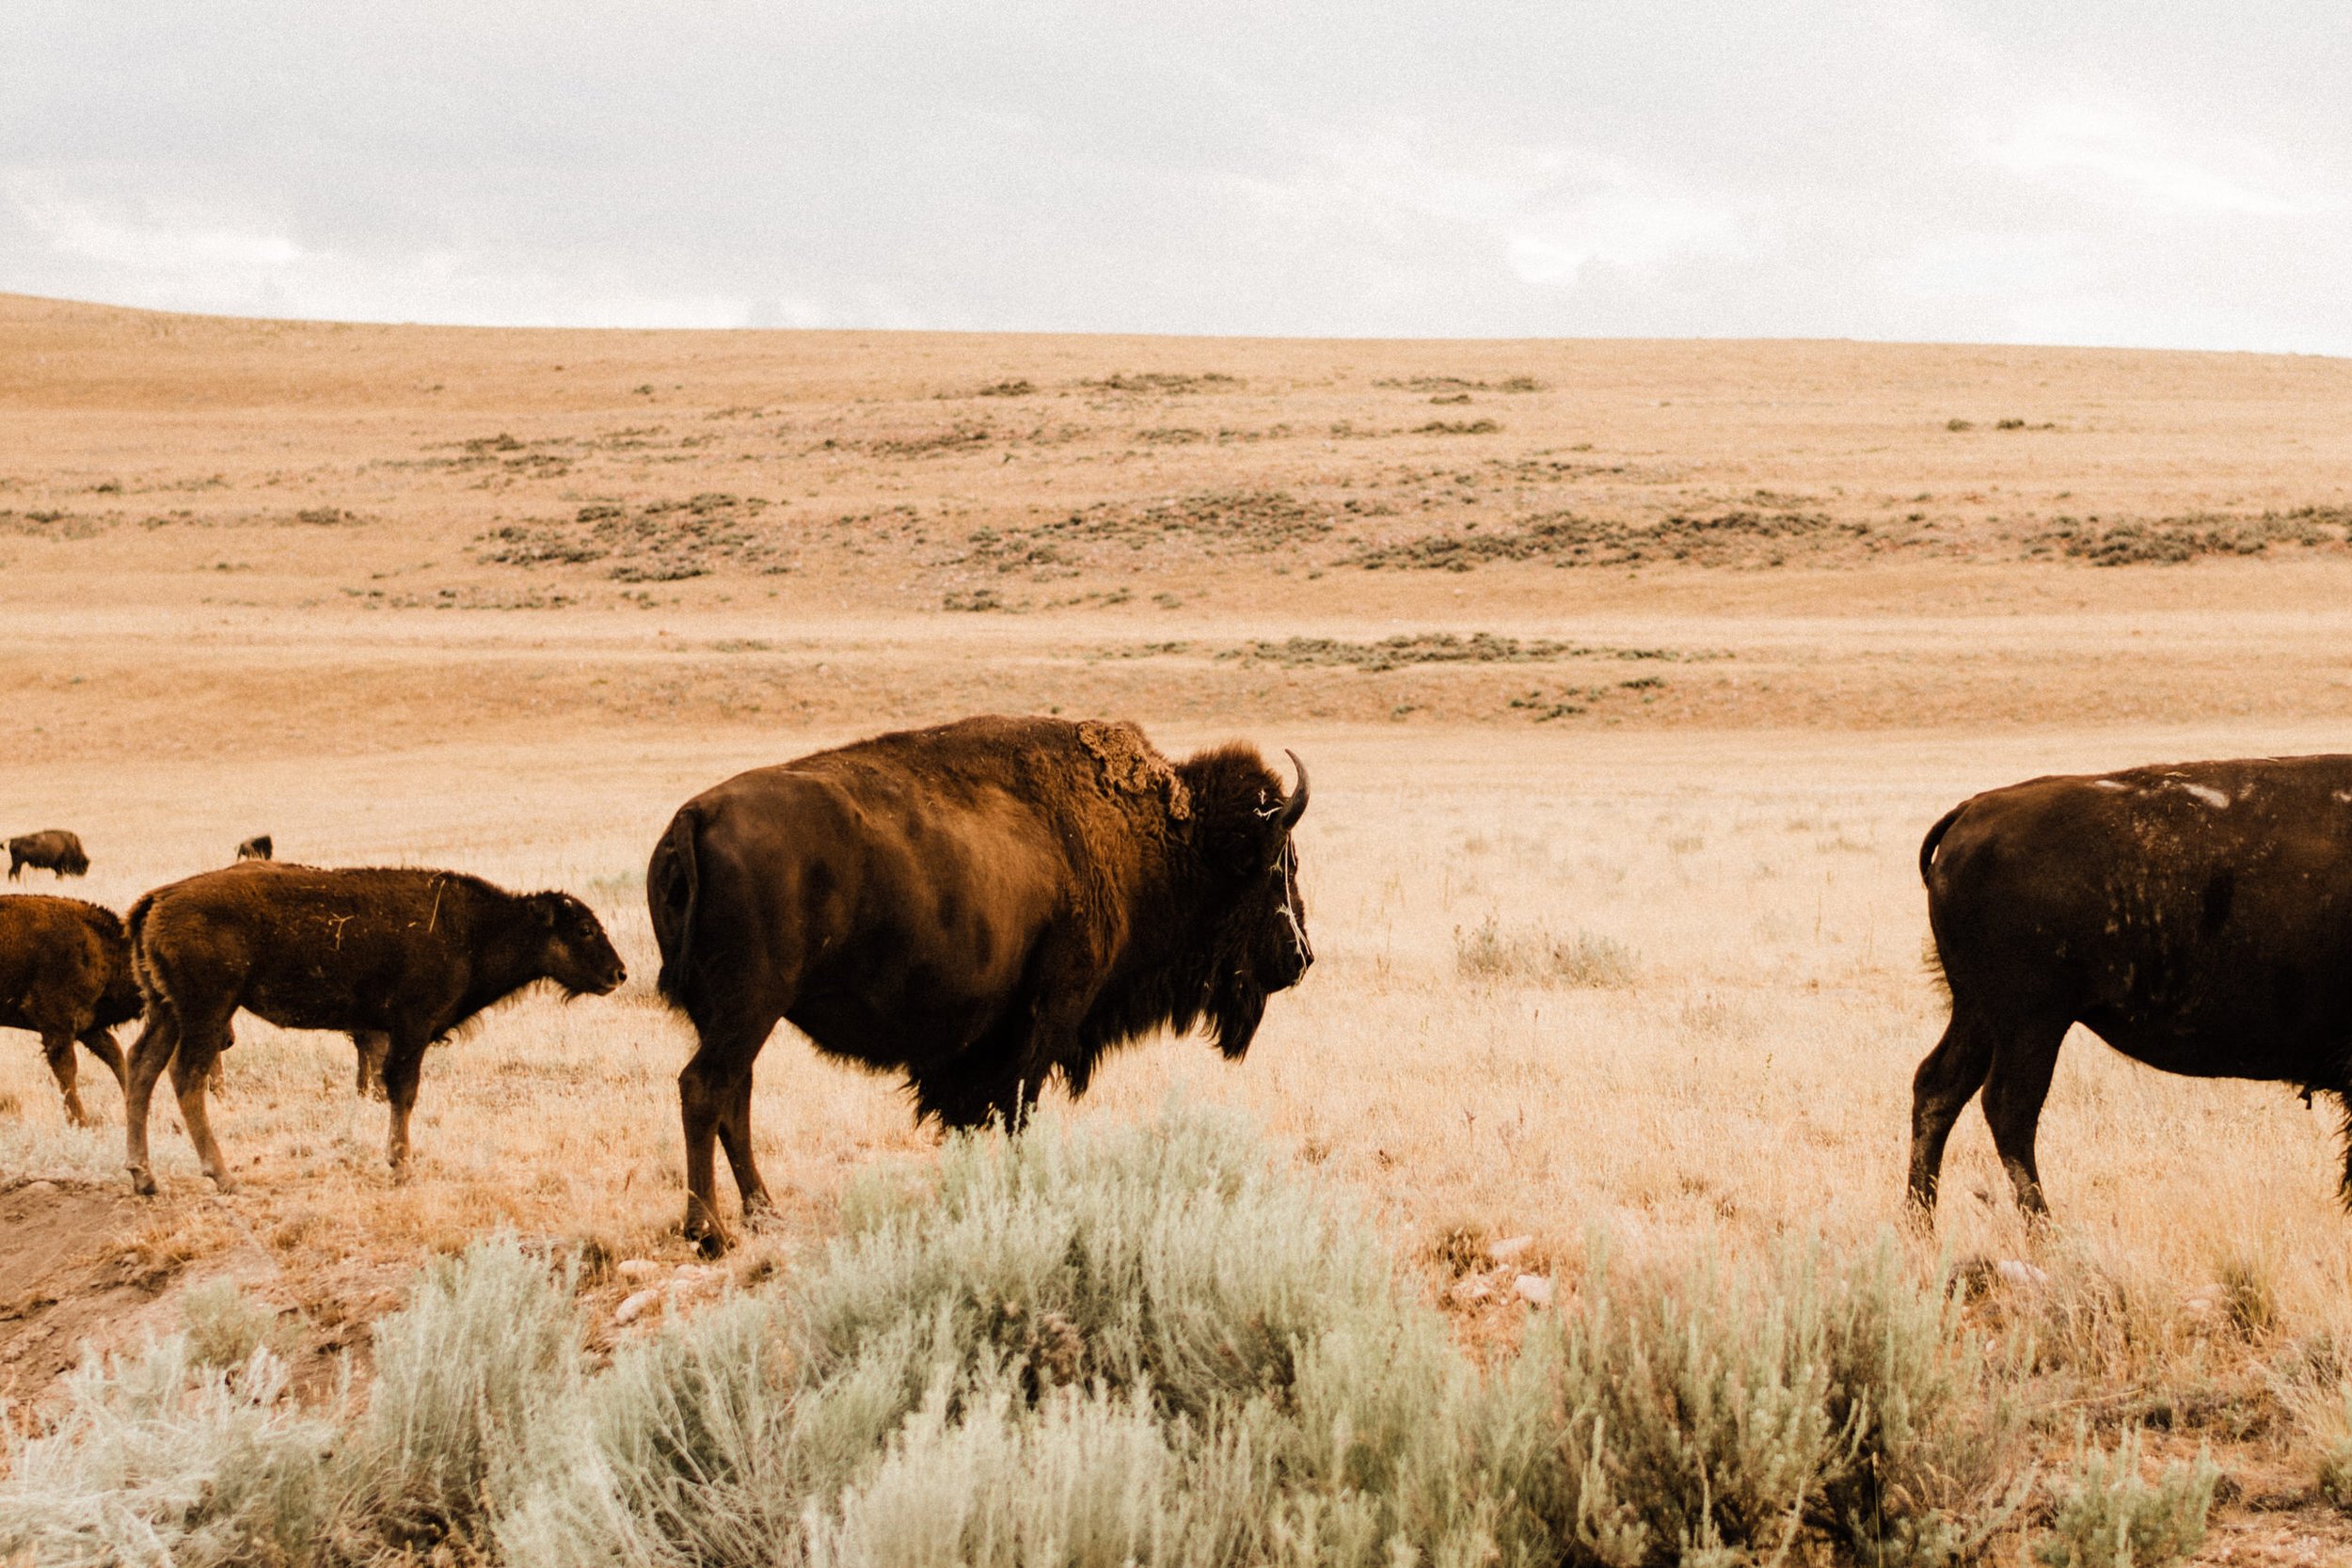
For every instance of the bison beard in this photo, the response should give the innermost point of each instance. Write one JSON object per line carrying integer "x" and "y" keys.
{"x": 2191, "y": 916}
{"x": 981, "y": 906}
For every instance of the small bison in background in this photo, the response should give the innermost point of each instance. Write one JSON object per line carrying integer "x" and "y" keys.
{"x": 982, "y": 906}
{"x": 53, "y": 850}
{"x": 65, "y": 973}
{"x": 2192, "y": 916}
{"x": 409, "y": 954}
{"x": 255, "y": 849}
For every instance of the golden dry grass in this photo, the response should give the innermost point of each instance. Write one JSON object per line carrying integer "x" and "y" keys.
{"x": 1746, "y": 831}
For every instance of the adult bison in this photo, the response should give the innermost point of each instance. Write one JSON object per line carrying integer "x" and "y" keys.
{"x": 65, "y": 973}
{"x": 409, "y": 954}
{"x": 2197, "y": 917}
{"x": 53, "y": 850}
{"x": 982, "y": 905}
{"x": 258, "y": 848}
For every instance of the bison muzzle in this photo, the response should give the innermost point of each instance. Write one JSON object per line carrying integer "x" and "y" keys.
{"x": 982, "y": 906}
{"x": 2197, "y": 918}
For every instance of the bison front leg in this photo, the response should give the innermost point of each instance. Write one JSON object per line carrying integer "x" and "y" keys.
{"x": 100, "y": 1044}
{"x": 58, "y": 1045}
{"x": 404, "y": 1063}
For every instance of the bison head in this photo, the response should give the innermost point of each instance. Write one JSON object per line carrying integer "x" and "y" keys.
{"x": 577, "y": 956}
{"x": 1259, "y": 945}
{"x": 73, "y": 863}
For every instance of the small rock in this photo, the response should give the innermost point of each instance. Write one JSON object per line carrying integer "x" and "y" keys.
{"x": 1509, "y": 1247}
{"x": 41, "y": 1189}
{"x": 2018, "y": 1272}
{"x": 637, "y": 1268}
{"x": 2204, "y": 1300}
{"x": 637, "y": 1307}
{"x": 1469, "y": 1289}
{"x": 1533, "y": 1288}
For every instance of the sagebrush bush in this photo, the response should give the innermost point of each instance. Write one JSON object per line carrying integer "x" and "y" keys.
{"x": 1147, "y": 1346}
{"x": 163, "y": 1458}
{"x": 2109, "y": 1516}
{"x": 224, "y": 1325}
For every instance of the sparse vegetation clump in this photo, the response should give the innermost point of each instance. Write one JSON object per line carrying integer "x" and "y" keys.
{"x": 2110, "y": 1516}
{"x": 657, "y": 542}
{"x": 1733, "y": 538}
{"x": 1445, "y": 648}
{"x": 1487, "y": 952}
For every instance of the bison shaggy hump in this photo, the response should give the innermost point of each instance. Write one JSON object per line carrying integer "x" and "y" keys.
{"x": 981, "y": 906}
{"x": 408, "y": 954}
{"x": 65, "y": 973}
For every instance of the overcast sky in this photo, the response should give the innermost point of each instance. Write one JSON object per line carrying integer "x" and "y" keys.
{"x": 2078, "y": 171}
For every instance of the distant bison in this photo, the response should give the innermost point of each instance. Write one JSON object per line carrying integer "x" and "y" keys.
{"x": 2197, "y": 918}
{"x": 255, "y": 849}
{"x": 983, "y": 905}
{"x": 55, "y": 850}
{"x": 409, "y": 954}
{"x": 65, "y": 973}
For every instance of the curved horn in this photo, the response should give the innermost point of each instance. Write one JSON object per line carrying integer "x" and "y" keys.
{"x": 1297, "y": 807}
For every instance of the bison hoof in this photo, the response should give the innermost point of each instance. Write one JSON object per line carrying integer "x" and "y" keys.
{"x": 142, "y": 1182}
{"x": 222, "y": 1181}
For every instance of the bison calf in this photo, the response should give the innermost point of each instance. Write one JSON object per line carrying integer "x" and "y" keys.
{"x": 65, "y": 973}
{"x": 53, "y": 850}
{"x": 2191, "y": 916}
{"x": 408, "y": 955}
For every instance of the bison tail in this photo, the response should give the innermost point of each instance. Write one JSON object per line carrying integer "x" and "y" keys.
{"x": 143, "y": 973}
{"x": 1935, "y": 836}
{"x": 673, "y": 887}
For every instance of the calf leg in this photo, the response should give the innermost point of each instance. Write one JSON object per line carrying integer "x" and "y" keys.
{"x": 158, "y": 1042}
{"x": 2013, "y": 1094}
{"x": 1942, "y": 1087}
{"x": 192, "y": 1066}
{"x": 58, "y": 1045}
{"x": 404, "y": 1061}
{"x": 100, "y": 1044}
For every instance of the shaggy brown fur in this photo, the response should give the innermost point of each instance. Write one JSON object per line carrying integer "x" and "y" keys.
{"x": 258, "y": 848}
{"x": 53, "y": 850}
{"x": 65, "y": 973}
{"x": 408, "y": 954}
{"x": 981, "y": 906}
{"x": 2191, "y": 916}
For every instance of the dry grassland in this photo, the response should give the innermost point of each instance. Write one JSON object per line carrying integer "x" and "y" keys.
{"x": 1626, "y": 716}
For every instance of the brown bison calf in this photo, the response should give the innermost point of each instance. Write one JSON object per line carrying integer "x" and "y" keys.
{"x": 409, "y": 954}
{"x": 65, "y": 973}
{"x": 53, "y": 850}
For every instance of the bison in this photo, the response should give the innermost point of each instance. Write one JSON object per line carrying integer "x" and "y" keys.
{"x": 982, "y": 906}
{"x": 255, "y": 849}
{"x": 2196, "y": 917}
{"x": 53, "y": 850}
{"x": 65, "y": 973}
{"x": 408, "y": 954}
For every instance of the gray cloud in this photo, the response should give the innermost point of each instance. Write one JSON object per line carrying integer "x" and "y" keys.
{"x": 2105, "y": 172}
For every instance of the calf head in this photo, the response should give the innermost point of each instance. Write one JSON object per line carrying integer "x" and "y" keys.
{"x": 1259, "y": 916}
{"x": 576, "y": 954}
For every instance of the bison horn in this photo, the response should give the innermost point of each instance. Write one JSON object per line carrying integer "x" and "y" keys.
{"x": 1297, "y": 807}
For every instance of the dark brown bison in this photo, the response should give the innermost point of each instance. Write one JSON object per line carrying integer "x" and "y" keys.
{"x": 2197, "y": 918}
{"x": 65, "y": 973}
{"x": 982, "y": 906}
{"x": 255, "y": 849}
{"x": 410, "y": 954}
{"x": 55, "y": 850}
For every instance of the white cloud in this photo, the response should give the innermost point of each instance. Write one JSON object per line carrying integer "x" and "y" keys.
{"x": 2119, "y": 155}
{"x": 1624, "y": 225}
